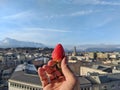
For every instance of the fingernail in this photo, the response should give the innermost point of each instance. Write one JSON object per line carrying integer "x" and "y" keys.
{"x": 65, "y": 60}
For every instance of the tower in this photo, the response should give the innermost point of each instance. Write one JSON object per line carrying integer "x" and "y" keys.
{"x": 74, "y": 51}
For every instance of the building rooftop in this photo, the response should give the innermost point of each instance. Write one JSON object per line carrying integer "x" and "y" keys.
{"x": 27, "y": 75}
{"x": 21, "y": 76}
{"x": 101, "y": 79}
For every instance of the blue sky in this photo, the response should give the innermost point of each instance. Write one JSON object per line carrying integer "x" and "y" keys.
{"x": 70, "y": 22}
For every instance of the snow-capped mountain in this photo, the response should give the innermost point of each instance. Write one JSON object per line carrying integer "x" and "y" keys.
{"x": 95, "y": 47}
{"x": 9, "y": 43}
{"x": 12, "y": 43}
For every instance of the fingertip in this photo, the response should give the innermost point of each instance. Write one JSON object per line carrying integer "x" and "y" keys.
{"x": 64, "y": 61}
{"x": 39, "y": 69}
{"x": 51, "y": 63}
{"x": 44, "y": 66}
{"x": 66, "y": 70}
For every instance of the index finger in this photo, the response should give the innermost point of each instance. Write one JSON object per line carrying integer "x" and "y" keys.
{"x": 51, "y": 63}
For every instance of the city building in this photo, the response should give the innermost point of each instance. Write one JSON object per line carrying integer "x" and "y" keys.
{"x": 101, "y": 55}
{"x": 9, "y": 59}
{"x": 85, "y": 84}
{"x": 25, "y": 77}
{"x": 105, "y": 82}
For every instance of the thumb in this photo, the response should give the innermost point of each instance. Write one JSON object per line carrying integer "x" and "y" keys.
{"x": 66, "y": 71}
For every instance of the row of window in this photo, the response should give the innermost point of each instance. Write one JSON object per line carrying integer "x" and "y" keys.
{"x": 85, "y": 88}
{"x": 24, "y": 87}
{"x": 112, "y": 87}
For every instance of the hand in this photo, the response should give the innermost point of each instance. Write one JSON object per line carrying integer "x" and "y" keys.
{"x": 53, "y": 79}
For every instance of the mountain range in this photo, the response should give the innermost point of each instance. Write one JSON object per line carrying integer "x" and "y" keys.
{"x": 96, "y": 47}
{"x": 13, "y": 43}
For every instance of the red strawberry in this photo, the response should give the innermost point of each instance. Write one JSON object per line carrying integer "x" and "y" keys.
{"x": 58, "y": 53}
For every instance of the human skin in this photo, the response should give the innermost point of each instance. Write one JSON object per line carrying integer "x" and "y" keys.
{"x": 53, "y": 79}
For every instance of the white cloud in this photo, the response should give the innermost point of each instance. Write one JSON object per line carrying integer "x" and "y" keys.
{"x": 72, "y": 14}
{"x": 20, "y": 18}
{"x": 95, "y": 2}
{"x": 107, "y": 3}
{"x": 46, "y": 29}
{"x": 79, "y": 13}
{"x": 20, "y": 15}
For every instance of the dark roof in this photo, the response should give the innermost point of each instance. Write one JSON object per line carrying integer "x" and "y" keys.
{"x": 26, "y": 78}
{"x": 99, "y": 79}
{"x": 104, "y": 79}
{"x": 91, "y": 80}
{"x": 118, "y": 67}
{"x": 103, "y": 68}
{"x": 84, "y": 80}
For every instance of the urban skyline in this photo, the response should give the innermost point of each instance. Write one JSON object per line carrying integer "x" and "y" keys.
{"x": 65, "y": 21}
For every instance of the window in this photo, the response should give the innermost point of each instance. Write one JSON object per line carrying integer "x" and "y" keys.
{"x": 30, "y": 88}
{"x": 113, "y": 86}
{"x": 104, "y": 87}
{"x": 15, "y": 85}
{"x": 20, "y": 86}
{"x": 88, "y": 88}
{"x": 119, "y": 85}
{"x": 27, "y": 87}
{"x": 82, "y": 89}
